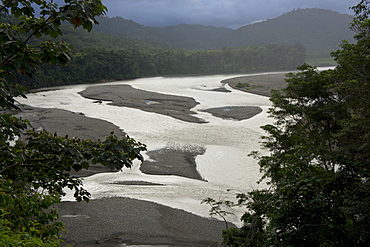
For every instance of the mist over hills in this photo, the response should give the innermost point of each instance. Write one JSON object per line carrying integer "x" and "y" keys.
{"x": 317, "y": 29}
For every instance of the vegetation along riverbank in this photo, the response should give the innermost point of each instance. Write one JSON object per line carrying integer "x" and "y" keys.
{"x": 318, "y": 156}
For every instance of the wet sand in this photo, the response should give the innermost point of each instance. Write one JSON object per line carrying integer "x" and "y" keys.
{"x": 259, "y": 84}
{"x": 64, "y": 123}
{"x": 124, "y": 95}
{"x": 173, "y": 161}
{"x": 170, "y": 105}
{"x": 116, "y": 221}
{"x": 235, "y": 112}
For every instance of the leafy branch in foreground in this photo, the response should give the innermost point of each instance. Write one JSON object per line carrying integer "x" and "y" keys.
{"x": 21, "y": 53}
{"x": 36, "y": 166}
{"x": 44, "y": 161}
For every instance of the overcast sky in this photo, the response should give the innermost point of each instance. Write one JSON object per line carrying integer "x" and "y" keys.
{"x": 221, "y": 13}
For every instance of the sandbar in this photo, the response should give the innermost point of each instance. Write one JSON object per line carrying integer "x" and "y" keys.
{"x": 112, "y": 222}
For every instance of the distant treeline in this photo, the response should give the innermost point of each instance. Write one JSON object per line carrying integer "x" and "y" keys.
{"x": 97, "y": 65}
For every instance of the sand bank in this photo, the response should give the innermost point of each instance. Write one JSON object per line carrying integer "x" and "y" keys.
{"x": 117, "y": 221}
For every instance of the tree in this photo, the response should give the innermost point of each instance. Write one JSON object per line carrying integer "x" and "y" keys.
{"x": 319, "y": 151}
{"x": 35, "y": 165}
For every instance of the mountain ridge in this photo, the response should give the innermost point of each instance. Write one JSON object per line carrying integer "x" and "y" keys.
{"x": 310, "y": 27}
{"x": 318, "y": 30}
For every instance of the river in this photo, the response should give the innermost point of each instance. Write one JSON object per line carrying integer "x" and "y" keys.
{"x": 225, "y": 164}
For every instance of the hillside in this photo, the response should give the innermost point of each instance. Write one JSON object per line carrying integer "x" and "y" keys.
{"x": 195, "y": 37}
{"x": 101, "y": 57}
{"x": 192, "y": 37}
{"x": 81, "y": 39}
{"x": 317, "y": 29}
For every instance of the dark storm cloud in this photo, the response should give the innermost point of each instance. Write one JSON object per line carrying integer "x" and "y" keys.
{"x": 227, "y": 13}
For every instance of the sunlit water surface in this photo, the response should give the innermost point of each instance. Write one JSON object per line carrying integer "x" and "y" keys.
{"x": 225, "y": 164}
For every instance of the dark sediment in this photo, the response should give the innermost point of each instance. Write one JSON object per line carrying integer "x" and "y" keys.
{"x": 124, "y": 95}
{"x": 259, "y": 84}
{"x": 114, "y": 221}
{"x": 66, "y": 123}
{"x": 170, "y": 161}
{"x": 235, "y": 112}
{"x": 138, "y": 183}
{"x": 221, "y": 90}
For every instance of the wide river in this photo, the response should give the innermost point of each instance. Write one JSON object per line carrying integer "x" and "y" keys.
{"x": 225, "y": 164}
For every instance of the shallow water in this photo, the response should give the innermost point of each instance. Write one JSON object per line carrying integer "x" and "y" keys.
{"x": 225, "y": 164}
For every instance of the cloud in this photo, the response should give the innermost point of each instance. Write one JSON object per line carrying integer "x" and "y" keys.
{"x": 227, "y": 13}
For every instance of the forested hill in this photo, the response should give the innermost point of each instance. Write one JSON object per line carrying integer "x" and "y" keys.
{"x": 100, "y": 57}
{"x": 136, "y": 51}
{"x": 192, "y": 37}
{"x": 317, "y": 29}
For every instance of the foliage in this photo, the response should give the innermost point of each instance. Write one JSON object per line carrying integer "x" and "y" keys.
{"x": 35, "y": 165}
{"x": 241, "y": 85}
{"x": 44, "y": 161}
{"x": 96, "y": 65}
{"x": 25, "y": 219}
{"x": 19, "y": 56}
{"x": 318, "y": 163}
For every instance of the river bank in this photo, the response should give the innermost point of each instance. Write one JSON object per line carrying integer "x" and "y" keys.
{"x": 118, "y": 221}
{"x": 258, "y": 84}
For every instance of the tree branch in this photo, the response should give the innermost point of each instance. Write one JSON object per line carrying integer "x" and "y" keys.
{"x": 29, "y": 160}
{"x": 11, "y": 56}
{"x": 6, "y": 5}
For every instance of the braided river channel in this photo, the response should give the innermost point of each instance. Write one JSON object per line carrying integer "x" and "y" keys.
{"x": 225, "y": 166}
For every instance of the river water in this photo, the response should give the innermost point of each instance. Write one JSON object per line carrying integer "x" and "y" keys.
{"x": 225, "y": 164}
